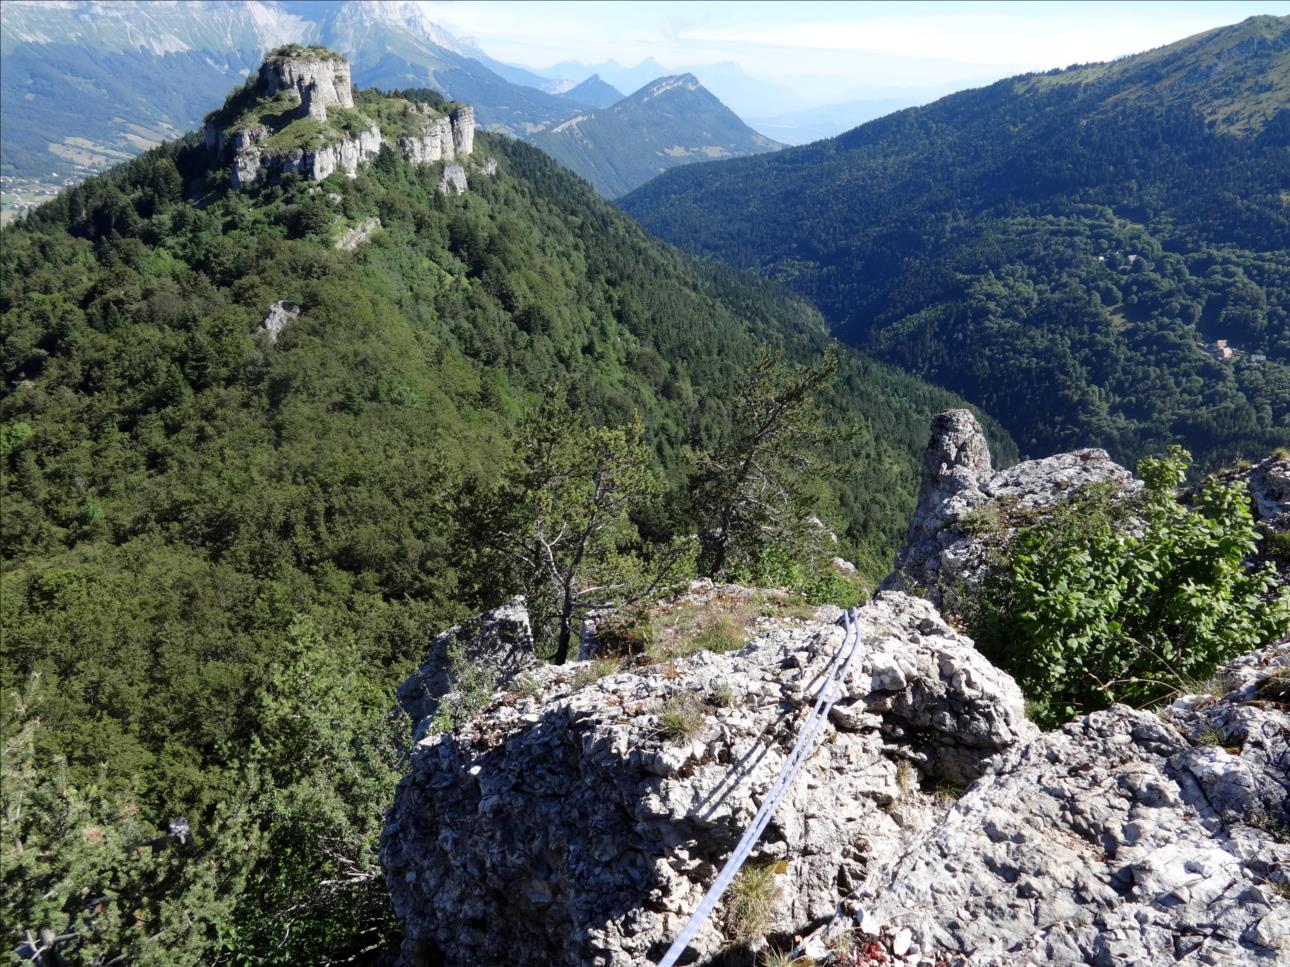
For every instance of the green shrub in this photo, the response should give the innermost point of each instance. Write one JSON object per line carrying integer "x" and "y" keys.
{"x": 473, "y": 687}
{"x": 1085, "y": 612}
{"x": 983, "y": 521}
{"x": 808, "y": 573}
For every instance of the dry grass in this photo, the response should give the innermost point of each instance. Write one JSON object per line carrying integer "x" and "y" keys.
{"x": 1209, "y": 736}
{"x": 720, "y": 625}
{"x": 668, "y": 631}
{"x": 525, "y": 686}
{"x": 594, "y": 670}
{"x": 1276, "y": 687}
{"x": 750, "y": 904}
{"x": 906, "y": 779}
{"x": 679, "y": 720}
{"x": 774, "y": 958}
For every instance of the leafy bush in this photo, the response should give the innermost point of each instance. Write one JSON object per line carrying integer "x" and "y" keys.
{"x": 1127, "y": 600}
{"x": 804, "y": 570}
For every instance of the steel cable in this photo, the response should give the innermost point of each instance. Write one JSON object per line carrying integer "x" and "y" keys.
{"x": 828, "y": 694}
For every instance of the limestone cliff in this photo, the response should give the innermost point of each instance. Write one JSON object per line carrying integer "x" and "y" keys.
{"x": 318, "y": 77}
{"x": 300, "y": 117}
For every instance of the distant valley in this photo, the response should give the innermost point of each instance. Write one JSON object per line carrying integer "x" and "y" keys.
{"x": 1099, "y": 254}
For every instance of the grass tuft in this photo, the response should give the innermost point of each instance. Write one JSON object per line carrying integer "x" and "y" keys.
{"x": 594, "y": 670}
{"x": 750, "y": 904}
{"x": 679, "y": 720}
{"x": 721, "y": 695}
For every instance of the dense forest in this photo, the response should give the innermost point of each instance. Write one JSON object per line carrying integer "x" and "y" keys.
{"x": 1064, "y": 249}
{"x": 222, "y": 550}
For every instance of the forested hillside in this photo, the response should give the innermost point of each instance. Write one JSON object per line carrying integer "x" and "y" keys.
{"x": 1065, "y": 250}
{"x": 222, "y": 549}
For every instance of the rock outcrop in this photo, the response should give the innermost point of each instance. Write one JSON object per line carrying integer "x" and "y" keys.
{"x": 1122, "y": 838}
{"x": 320, "y": 80}
{"x": 280, "y": 315}
{"x": 1268, "y": 483}
{"x": 352, "y": 238}
{"x": 453, "y": 181}
{"x": 580, "y": 817}
{"x": 439, "y": 138}
{"x": 463, "y": 131}
{"x": 315, "y": 164}
{"x": 498, "y": 642}
{"x": 580, "y": 822}
{"x": 940, "y": 555}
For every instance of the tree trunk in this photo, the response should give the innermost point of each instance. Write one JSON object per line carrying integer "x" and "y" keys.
{"x": 566, "y": 628}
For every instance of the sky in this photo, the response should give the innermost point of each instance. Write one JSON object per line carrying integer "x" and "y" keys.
{"x": 819, "y": 46}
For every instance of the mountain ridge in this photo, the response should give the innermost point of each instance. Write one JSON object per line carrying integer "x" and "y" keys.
{"x": 1049, "y": 245}
{"x": 669, "y": 121}
{"x": 142, "y": 73}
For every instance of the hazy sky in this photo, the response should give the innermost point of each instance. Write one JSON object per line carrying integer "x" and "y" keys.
{"x": 905, "y": 44}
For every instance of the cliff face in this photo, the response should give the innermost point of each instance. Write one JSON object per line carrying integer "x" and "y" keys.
{"x": 319, "y": 80}
{"x": 439, "y": 138}
{"x": 291, "y": 126}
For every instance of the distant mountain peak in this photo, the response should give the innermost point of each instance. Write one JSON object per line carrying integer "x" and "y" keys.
{"x": 664, "y": 84}
{"x": 671, "y": 121}
{"x": 594, "y": 92}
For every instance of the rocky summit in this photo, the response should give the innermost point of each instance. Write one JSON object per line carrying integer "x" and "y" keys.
{"x": 580, "y": 820}
{"x": 580, "y": 814}
{"x": 299, "y": 116}
{"x": 942, "y": 556}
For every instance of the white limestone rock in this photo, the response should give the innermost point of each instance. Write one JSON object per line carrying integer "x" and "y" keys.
{"x": 939, "y": 558}
{"x": 352, "y": 238}
{"x": 1121, "y": 838}
{"x": 499, "y": 641}
{"x": 564, "y": 828}
{"x": 453, "y": 181}
{"x": 319, "y": 80}
{"x": 280, "y": 315}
